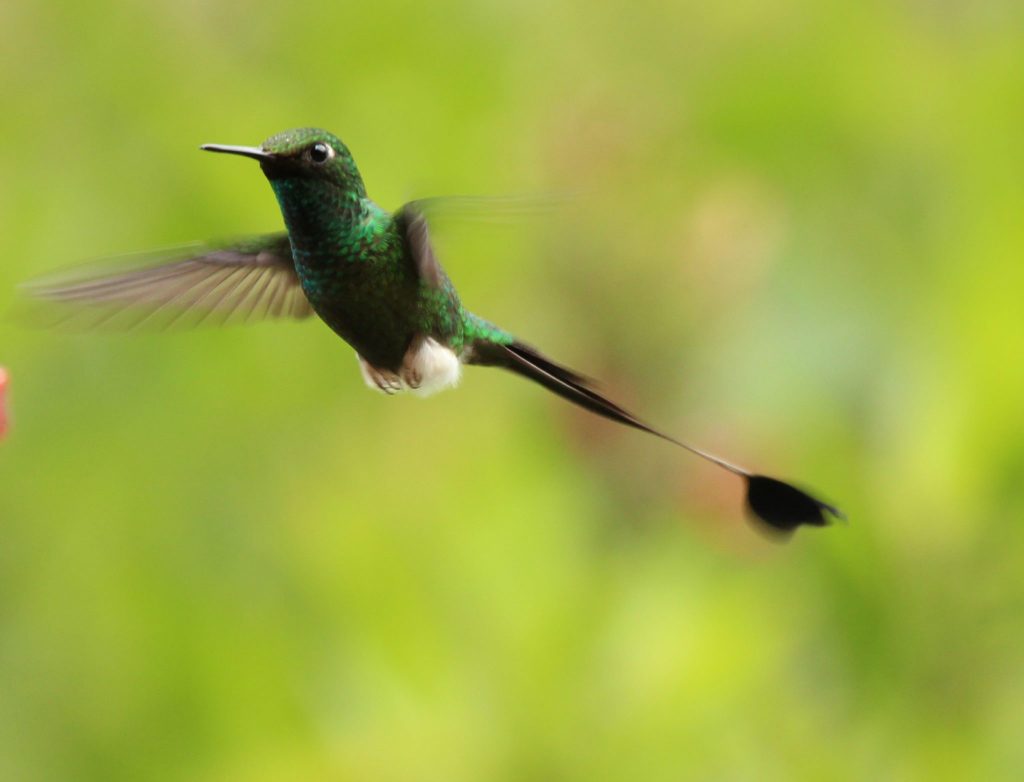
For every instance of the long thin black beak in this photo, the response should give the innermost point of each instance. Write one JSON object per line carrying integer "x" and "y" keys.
{"x": 253, "y": 152}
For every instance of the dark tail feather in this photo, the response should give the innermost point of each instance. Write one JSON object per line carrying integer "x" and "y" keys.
{"x": 525, "y": 361}
{"x": 779, "y": 505}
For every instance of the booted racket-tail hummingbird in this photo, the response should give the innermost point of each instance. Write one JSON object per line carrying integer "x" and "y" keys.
{"x": 372, "y": 276}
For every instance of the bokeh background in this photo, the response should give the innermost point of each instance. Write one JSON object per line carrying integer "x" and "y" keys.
{"x": 795, "y": 237}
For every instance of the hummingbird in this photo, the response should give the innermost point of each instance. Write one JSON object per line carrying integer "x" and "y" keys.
{"x": 374, "y": 278}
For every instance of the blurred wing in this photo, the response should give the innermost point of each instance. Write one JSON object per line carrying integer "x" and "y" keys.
{"x": 489, "y": 209}
{"x": 413, "y": 223}
{"x": 246, "y": 280}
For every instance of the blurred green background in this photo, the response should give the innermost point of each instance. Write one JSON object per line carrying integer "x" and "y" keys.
{"x": 797, "y": 240}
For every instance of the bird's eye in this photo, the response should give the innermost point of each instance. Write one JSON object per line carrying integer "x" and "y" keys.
{"x": 319, "y": 152}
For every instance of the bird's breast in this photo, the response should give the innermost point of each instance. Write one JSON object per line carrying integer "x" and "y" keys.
{"x": 369, "y": 305}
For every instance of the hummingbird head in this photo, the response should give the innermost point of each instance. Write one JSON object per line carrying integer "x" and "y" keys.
{"x": 304, "y": 155}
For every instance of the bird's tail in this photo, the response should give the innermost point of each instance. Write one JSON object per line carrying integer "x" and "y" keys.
{"x": 780, "y": 505}
{"x": 528, "y": 362}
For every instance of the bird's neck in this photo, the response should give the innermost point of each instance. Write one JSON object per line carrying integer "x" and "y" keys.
{"x": 320, "y": 215}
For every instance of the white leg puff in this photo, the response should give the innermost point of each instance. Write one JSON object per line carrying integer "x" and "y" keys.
{"x": 428, "y": 367}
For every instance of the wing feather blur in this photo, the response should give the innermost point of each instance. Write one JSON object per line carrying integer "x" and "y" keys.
{"x": 247, "y": 280}
{"x": 413, "y": 223}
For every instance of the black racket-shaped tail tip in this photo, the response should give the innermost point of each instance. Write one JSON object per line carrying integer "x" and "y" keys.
{"x": 783, "y": 507}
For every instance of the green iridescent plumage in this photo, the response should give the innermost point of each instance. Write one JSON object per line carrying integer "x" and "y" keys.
{"x": 373, "y": 277}
{"x": 357, "y": 263}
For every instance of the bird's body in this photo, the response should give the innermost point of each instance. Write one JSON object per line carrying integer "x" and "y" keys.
{"x": 361, "y": 279}
{"x": 373, "y": 278}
